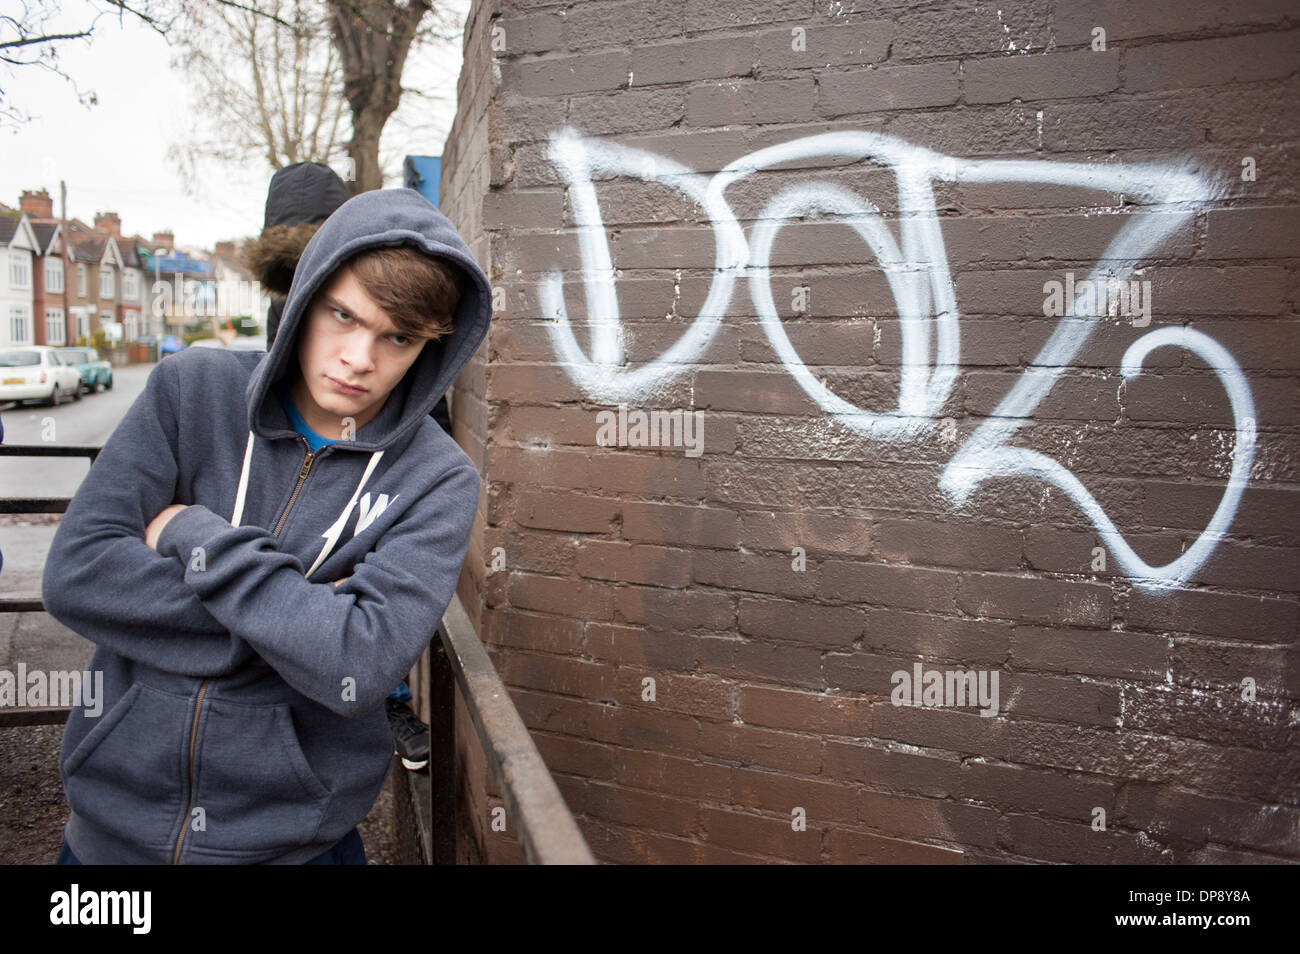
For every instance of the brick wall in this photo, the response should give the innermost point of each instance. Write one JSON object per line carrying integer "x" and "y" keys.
{"x": 907, "y": 455}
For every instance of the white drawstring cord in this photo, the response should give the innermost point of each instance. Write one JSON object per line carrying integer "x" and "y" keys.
{"x": 238, "y": 515}
{"x": 332, "y": 534}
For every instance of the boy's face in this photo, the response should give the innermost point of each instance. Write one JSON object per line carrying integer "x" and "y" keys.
{"x": 347, "y": 339}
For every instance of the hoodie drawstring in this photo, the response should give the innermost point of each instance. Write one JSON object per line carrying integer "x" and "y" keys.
{"x": 332, "y": 534}
{"x": 238, "y": 515}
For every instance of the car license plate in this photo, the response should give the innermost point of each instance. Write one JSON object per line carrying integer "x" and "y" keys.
{"x": 15, "y": 381}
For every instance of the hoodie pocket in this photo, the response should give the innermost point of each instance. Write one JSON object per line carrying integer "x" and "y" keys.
{"x": 126, "y": 775}
{"x": 253, "y": 781}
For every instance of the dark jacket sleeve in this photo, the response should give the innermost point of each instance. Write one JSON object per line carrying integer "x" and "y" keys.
{"x": 441, "y": 414}
{"x": 273, "y": 313}
{"x": 103, "y": 581}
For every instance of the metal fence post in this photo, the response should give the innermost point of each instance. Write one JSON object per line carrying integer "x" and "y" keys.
{"x": 442, "y": 752}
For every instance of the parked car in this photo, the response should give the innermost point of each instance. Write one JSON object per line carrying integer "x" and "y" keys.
{"x": 96, "y": 373}
{"x": 37, "y": 373}
{"x": 249, "y": 343}
{"x": 240, "y": 343}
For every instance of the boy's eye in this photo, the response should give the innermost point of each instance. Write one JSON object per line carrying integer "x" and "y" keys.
{"x": 400, "y": 340}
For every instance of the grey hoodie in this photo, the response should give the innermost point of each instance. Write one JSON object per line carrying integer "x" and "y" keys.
{"x": 242, "y": 714}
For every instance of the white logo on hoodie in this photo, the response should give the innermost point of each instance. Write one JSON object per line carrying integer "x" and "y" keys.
{"x": 368, "y": 515}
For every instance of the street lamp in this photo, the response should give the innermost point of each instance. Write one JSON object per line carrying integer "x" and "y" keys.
{"x": 157, "y": 263}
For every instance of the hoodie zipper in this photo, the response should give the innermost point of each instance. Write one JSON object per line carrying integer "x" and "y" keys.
{"x": 194, "y": 731}
{"x": 303, "y": 471}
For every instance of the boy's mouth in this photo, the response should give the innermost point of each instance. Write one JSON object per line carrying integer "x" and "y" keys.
{"x": 344, "y": 388}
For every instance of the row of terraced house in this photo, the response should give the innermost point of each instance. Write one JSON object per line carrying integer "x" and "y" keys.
{"x": 62, "y": 280}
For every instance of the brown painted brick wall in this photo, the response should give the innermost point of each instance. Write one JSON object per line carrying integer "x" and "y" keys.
{"x": 705, "y": 638}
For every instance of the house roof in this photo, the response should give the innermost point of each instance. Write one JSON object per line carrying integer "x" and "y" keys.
{"x": 86, "y": 246}
{"x": 45, "y": 232}
{"x": 126, "y": 247}
{"x": 15, "y": 228}
{"x": 93, "y": 247}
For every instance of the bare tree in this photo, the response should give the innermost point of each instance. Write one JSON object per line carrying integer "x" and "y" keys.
{"x": 29, "y": 37}
{"x": 374, "y": 37}
{"x": 268, "y": 84}
{"x": 428, "y": 87}
{"x": 276, "y": 80}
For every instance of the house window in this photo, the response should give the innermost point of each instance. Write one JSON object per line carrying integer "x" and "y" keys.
{"x": 54, "y": 274}
{"x": 20, "y": 328}
{"x": 83, "y": 325}
{"x": 54, "y": 327}
{"x": 132, "y": 326}
{"x": 131, "y": 284}
{"x": 20, "y": 269}
{"x": 106, "y": 289}
{"x": 81, "y": 281}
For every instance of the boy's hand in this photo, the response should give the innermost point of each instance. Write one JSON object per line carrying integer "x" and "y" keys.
{"x": 155, "y": 528}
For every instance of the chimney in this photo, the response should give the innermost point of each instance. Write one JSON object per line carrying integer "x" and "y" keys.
{"x": 37, "y": 204}
{"x": 108, "y": 222}
{"x": 165, "y": 239}
{"x": 225, "y": 250}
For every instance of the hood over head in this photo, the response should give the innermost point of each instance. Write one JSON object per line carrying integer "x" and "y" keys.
{"x": 299, "y": 198}
{"x": 370, "y": 220}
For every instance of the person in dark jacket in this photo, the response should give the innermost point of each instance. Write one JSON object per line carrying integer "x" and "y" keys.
{"x": 300, "y": 197}
{"x": 253, "y": 601}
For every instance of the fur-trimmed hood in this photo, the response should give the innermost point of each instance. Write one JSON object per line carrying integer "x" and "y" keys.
{"x": 300, "y": 197}
{"x": 273, "y": 257}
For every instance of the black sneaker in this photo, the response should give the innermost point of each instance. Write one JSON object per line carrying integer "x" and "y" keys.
{"x": 410, "y": 735}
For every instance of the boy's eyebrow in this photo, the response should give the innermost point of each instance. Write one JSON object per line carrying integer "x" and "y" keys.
{"x": 333, "y": 302}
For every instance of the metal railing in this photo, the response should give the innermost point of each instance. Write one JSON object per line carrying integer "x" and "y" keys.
{"x": 545, "y": 826}
{"x": 44, "y": 715}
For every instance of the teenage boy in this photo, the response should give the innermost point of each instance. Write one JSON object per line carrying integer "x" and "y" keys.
{"x": 300, "y": 197}
{"x": 253, "y": 601}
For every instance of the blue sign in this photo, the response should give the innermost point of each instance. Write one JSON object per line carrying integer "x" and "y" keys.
{"x": 177, "y": 262}
{"x": 423, "y": 174}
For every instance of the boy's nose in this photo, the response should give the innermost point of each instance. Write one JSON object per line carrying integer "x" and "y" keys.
{"x": 358, "y": 352}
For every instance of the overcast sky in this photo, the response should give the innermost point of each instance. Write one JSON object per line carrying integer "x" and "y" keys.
{"x": 113, "y": 156}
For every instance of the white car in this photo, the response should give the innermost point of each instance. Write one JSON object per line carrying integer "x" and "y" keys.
{"x": 240, "y": 343}
{"x": 37, "y": 373}
{"x": 249, "y": 343}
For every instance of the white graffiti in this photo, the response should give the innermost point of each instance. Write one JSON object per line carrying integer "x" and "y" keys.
{"x": 920, "y": 280}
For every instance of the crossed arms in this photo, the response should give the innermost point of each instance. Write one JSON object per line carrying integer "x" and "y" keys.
{"x": 111, "y": 574}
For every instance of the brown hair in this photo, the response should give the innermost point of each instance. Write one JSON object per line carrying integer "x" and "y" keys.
{"x": 418, "y": 292}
